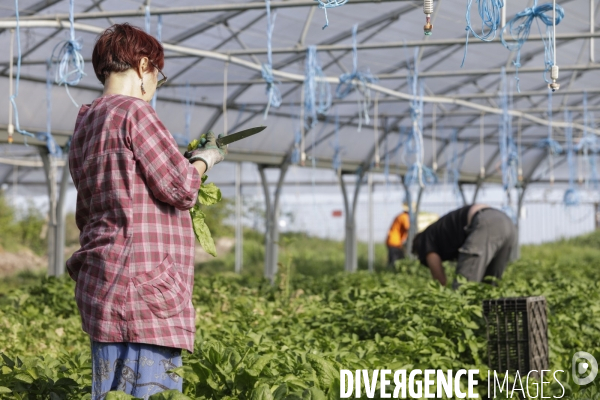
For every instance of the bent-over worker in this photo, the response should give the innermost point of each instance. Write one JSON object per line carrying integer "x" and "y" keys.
{"x": 396, "y": 238}
{"x": 478, "y": 237}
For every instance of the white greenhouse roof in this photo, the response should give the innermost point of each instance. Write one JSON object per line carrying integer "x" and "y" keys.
{"x": 201, "y": 36}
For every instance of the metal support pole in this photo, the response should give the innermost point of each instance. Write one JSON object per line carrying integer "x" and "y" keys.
{"x": 195, "y": 9}
{"x": 268, "y": 222}
{"x": 239, "y": 237}
{"x": 414, "y": 228}
{"x": 371, "y": 230}
{"x": 503, "y": 22}
{"x": 11, "y": 127}
{"x": 272, "y": 217}
{"x": 59, "y": 266}
{"x": 276, "y": 212}
{"x": 462, "y": 194}
{"x": 351, "y": 263}
{"x": 516, "y": 253}
{"x": 50, "y": 173}
{"x": 477, "y": 187}
{"x": 348, "y": 225}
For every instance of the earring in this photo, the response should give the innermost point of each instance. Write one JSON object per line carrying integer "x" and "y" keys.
{"x": 142, "y": 87}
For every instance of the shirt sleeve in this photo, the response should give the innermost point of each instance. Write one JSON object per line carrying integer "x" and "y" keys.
{"x": 169, "y": 175}
{"x": 405, "y": 222}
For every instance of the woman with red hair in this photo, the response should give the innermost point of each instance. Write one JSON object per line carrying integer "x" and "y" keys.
{"x": 134, "y": 270}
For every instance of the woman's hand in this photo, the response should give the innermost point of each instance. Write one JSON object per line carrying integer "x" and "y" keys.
{"x": 208, "y": 152}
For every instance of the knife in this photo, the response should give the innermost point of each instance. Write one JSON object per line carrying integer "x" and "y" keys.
{"x": 234, "y": 137}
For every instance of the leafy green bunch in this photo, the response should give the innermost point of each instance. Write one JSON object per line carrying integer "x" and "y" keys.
{"x": 208, "y": 195}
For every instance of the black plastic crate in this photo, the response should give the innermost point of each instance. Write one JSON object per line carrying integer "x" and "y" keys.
{"x": 517, "y": 334}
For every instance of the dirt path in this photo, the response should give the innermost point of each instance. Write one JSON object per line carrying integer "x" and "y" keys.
{"x": 12, "y": 263}
{"x": 22, "y": 260}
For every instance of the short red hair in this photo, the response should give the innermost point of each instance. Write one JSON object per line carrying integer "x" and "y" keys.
{"x": 121, "y": 47}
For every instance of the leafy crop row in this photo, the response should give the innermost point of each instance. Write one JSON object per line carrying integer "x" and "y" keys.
{"x": 289, "y": 341}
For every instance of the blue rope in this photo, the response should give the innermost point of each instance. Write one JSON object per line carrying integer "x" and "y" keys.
{"x": 317, "y": 92}
{"x": 356, "y": 80}
{"x": 296, "y": 151}
{"x": 147, "y": 20}
{"x": 490, "y": 12}
{"x": 273, "y": 93}
{"x": 325, "y": 4}
{"x": 184, "y": 139}
{"x": 520, "y": 26}
{"x": 414, "y": 176}
{"x": 571, "y": 197}
{"x": 159, "y": 28}
{"x": 417, "y": 173}
{"x": 297, "y": 138}
{"x": 13, "y": 98}
{"x": 337, "y": 149}
{"x": 70, "y": 69}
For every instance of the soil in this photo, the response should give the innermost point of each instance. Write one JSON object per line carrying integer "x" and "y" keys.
{"x": 224, "y": 245}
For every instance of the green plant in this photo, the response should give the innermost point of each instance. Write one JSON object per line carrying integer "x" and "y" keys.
{"x": 255, "y": 340}
{"x": 21, "y": 227}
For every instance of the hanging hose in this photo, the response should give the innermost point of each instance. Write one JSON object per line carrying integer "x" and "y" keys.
{"x": 508, "y": 151}
{"x": 571, "y": 197}
{"x": 434, "y": 165}
{"x": 325, "y": 4}
{"x": 356, "y": 80}
{"x": 225, "y": 116}
{"x": 481, "y": 147}
{"x": 67, "y": 53}
{"x": 317, "y": 92}
{"x": 490, "y": 12}
{"x": 519, "y": 28}
{"x": 549, "y": 143}
{"x": 273, "y": 93}
{"x": 13, "y": 97}
{"x": 47, "y": 137}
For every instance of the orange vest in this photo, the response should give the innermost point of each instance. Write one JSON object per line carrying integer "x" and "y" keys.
{"x": 398, "y": 232}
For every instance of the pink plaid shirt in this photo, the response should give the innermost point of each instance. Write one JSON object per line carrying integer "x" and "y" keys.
{"x": 135, "y": 268}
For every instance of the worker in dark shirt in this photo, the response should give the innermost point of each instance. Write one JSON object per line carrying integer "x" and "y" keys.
{"x": 478, "y": 237}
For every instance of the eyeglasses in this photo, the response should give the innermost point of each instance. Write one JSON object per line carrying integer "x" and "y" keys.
{"x": 164, "y": 78}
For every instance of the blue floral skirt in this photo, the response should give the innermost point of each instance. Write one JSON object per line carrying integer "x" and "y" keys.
{"x": 134, "y": 368}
